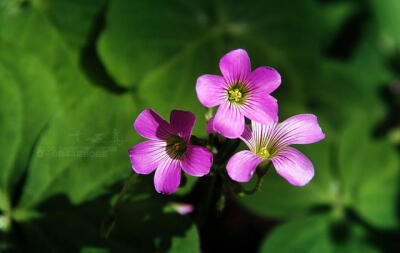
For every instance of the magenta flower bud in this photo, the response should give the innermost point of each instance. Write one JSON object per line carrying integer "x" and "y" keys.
{"x": 239, "y": 93}
{"x": 183, "y": 208}
{"x": 168, "y": 149}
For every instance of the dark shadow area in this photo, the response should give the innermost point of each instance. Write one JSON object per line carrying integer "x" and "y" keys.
{"x": 384, "y": 239}
{"x": 235, "y": 230}
{"x": 232, "y": 229}
{"x": 350, "y": 34}
{"x": 390, "y": 95}
{"x": 340, "y": 232}
{"x": 90, "y": 61}
{"x": 224, "y": 225}
{"x": 395, "y": 62}
{"x": 140, "y": 226}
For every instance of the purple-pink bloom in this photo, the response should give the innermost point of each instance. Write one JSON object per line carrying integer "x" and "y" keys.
{"x": 183, "y": 208}
{"x": 239, "y": 93}
{"x": 168, "y": 149}
{"x": 271, "y": 142}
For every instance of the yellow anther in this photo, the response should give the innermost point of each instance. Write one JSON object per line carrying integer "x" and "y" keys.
{"x": 235, "y": 95}
{"x": 263, "y": 153}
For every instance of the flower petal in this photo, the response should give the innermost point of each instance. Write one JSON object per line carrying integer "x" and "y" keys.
{"x": 261, "y": 108}
{"x": 299, "y": 129}
{"x": 146, "y": 156}
{"x": 183, "y": 208}
{"x": 261, "y": 134}
{"x": 151, "y": 125}
{"x": 246, "y": 137}
{"x": 182, "y": 123}
{"x": 242, "y": 165}
{"x": 197, "y": 161}
{"x": 229, "y": 121}
{"x": 168, "y": 176}
{"x": 295, "y": 167}
{"x": 210, "y": 126}
{"x": 235, "y": 66}
{"x": 264, "y": 79}
{"x": 211, "y": 90}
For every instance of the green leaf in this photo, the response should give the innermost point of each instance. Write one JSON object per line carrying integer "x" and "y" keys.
{"x": 142, "y": 47}
{"x": 133, "y": 32}
{"x": 22, "y": 27}
{"x": 72, "y": 18}
{"x": 278, "y": 198}
{"x": 139, "y": 38}
{"x": 369, "y": 172}
{"x": 38, "y": 99}
{"x": 305, "y": 235}
{"x": 172, "y": 86}
{"x": 189, "y": 242}
{"x": 26, "y": 30}
{"x": 91, "y": 153}
{"x": 354, "y": 84}
{"x": 387, "y": 17}
{"x": 187, "y": 184}
{"x": 76, "y": 136}
{"x": 10, "y": 131}
{"x": 378, "y": 195}
{"x": 317, "y": 234}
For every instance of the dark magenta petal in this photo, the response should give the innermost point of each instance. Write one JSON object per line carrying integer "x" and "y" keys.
{"x": 182, "y": 123}
{"x": 210, "y": 126}
{"x": 151, "y": 125}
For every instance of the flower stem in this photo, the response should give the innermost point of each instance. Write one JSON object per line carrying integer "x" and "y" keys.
{"x": 256, "y": 187}
{"x": 260, "y": 172}
{"x": 109, "y": 220}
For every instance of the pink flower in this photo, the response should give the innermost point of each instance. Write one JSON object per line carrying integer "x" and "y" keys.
{"x": 183, "y": 208}
{"x": 239, "y": 93}
{"x": 168, "y": 149}
{"x": 271, "y": 142}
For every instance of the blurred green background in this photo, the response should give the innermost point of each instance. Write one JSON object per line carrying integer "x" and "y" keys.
{"x": 74, "y": 74}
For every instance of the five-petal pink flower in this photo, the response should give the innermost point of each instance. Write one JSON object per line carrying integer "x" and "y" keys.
{"x": 271, "y": 142}
{"x": 168, "y": 149}
{"x": 239, "y": 93}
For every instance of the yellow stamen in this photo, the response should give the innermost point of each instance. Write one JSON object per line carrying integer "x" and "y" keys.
{"x": 235, "y": 95}
{"x": 263, "y": 153}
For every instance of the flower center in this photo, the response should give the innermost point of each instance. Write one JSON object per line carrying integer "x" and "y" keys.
{"x": 234, "y": 95}
{"x": 237, "y": 93}
{"x": 176, "y": 147}
{"x": 263, "y": 153}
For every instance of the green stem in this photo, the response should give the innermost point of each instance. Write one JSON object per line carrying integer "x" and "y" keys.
{"x": 256, "y": 187}
{"x": 109, "y": 219}
{"x": 260, "y": 172}
{"x": 123, "y": 192}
